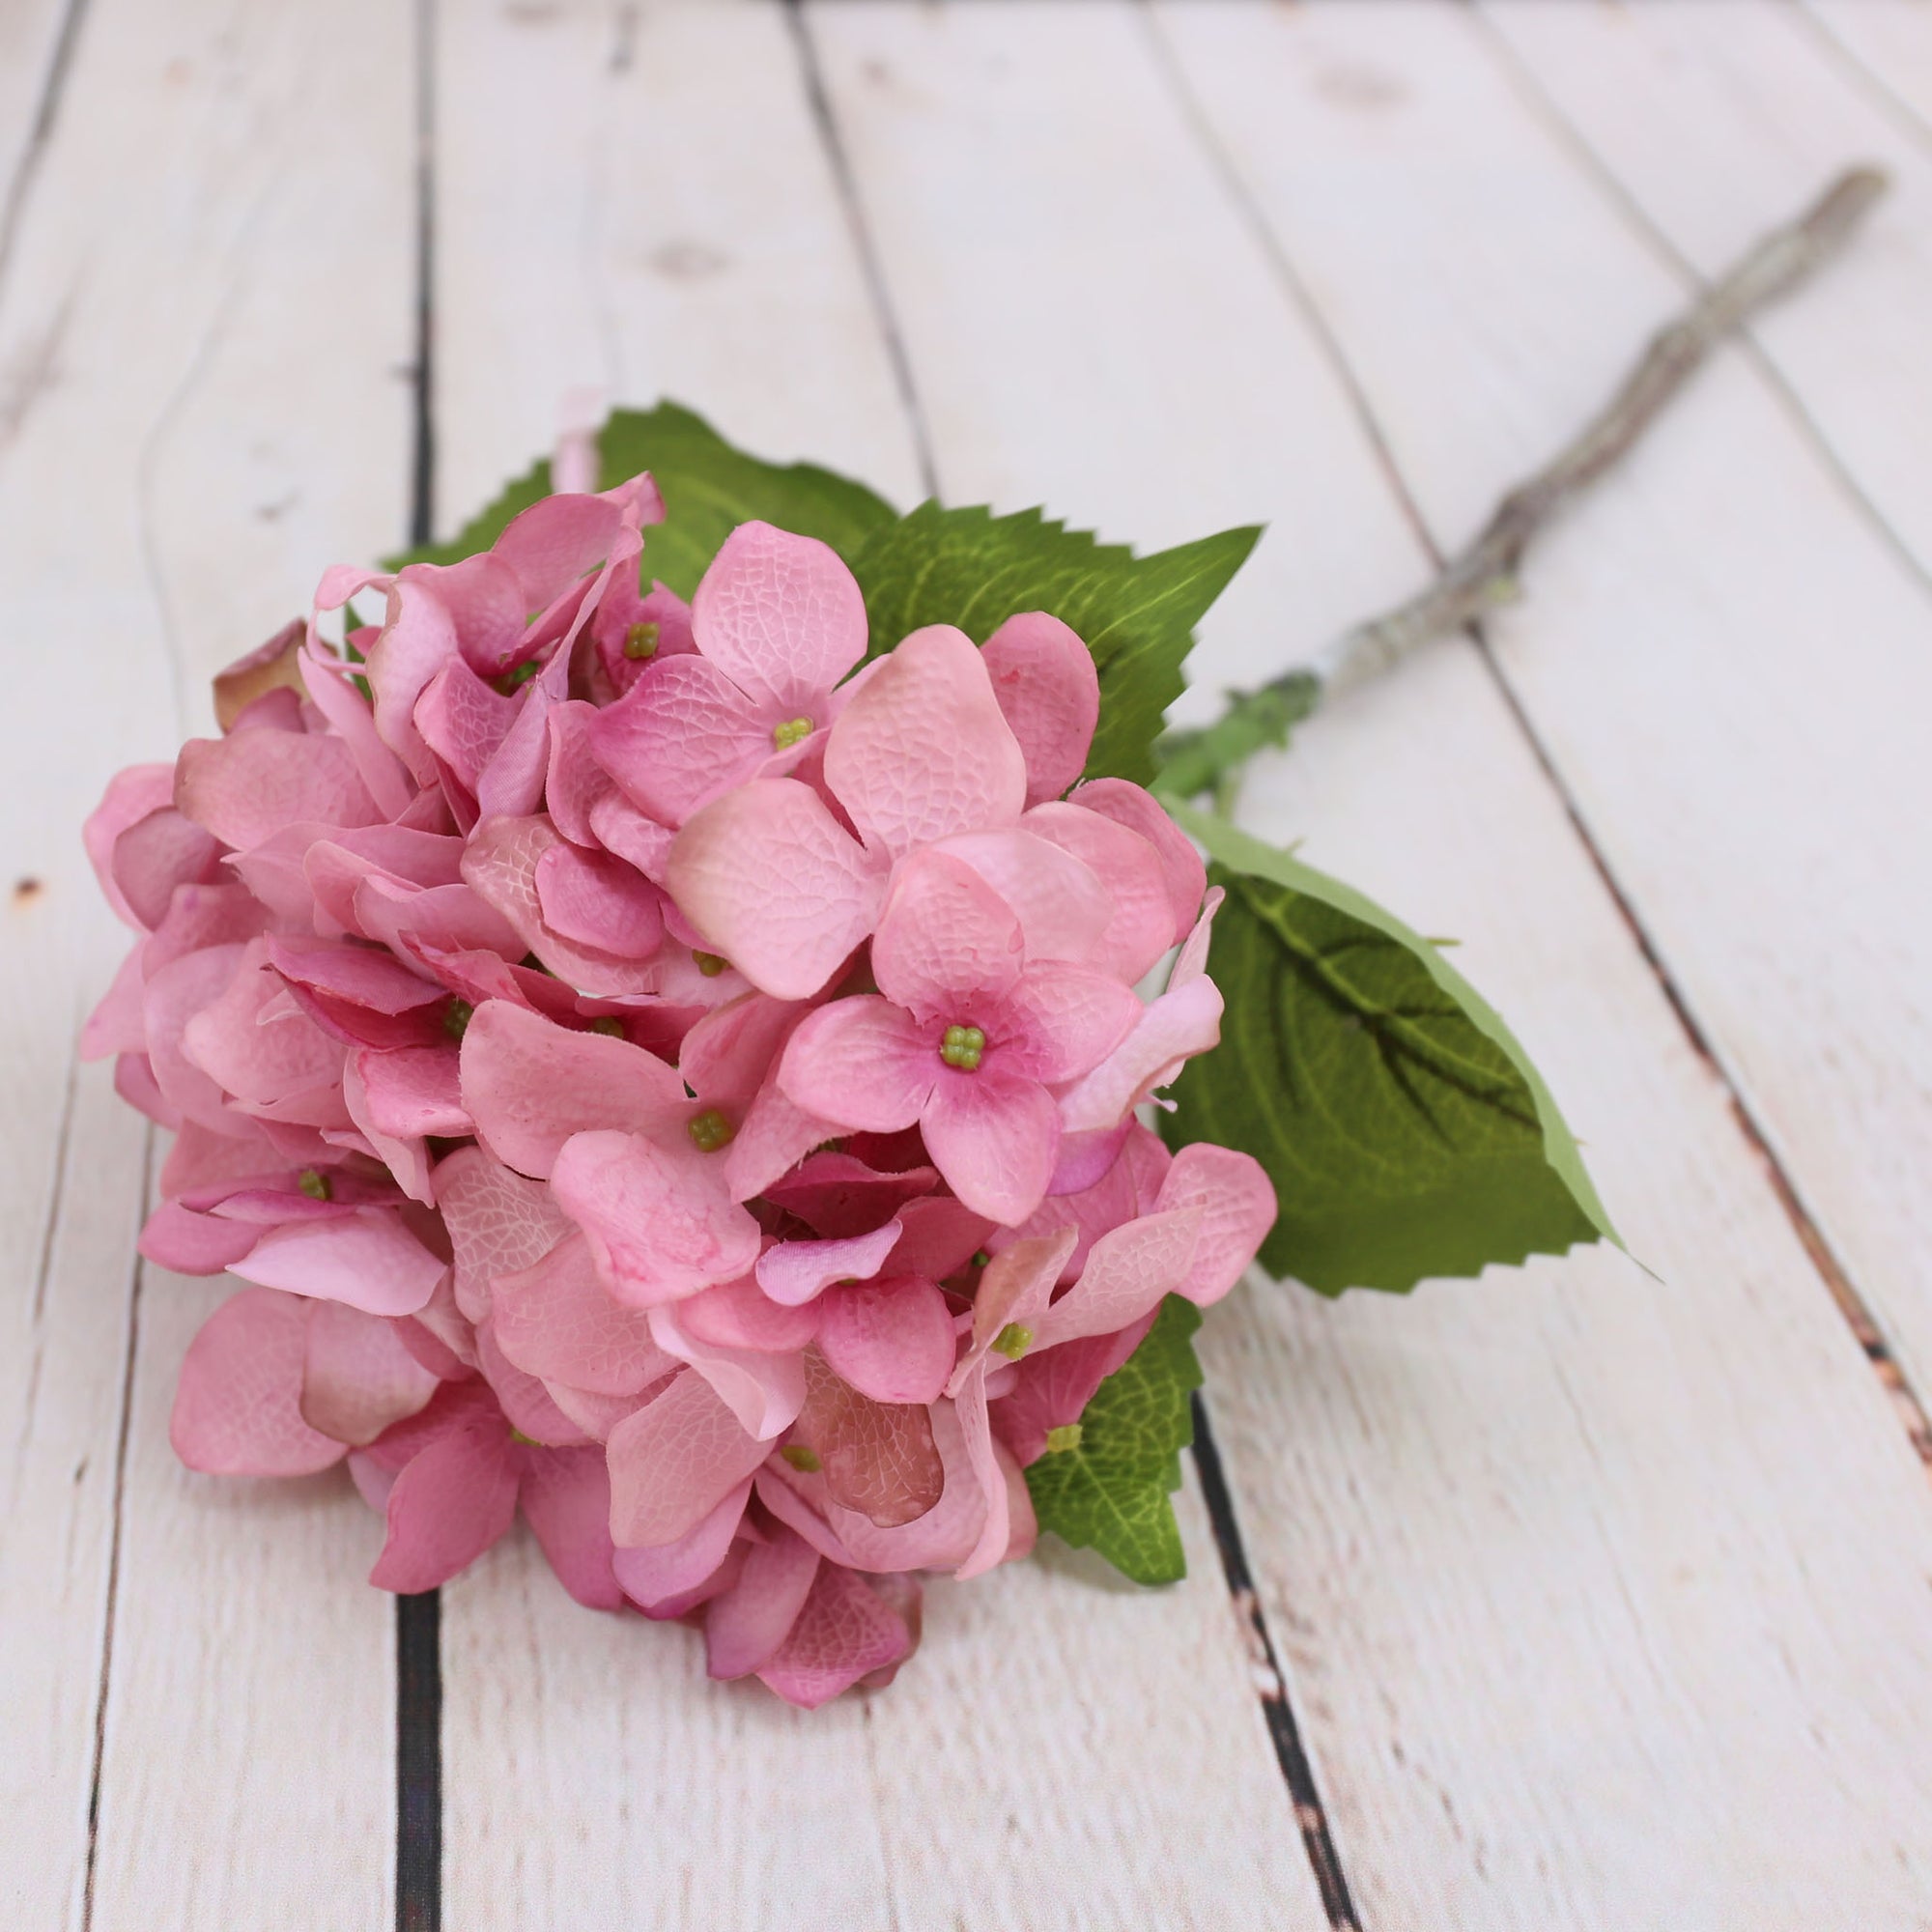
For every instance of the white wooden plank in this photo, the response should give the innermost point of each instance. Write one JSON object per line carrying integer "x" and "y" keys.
{"x": 1580, "y": 1573}
{"x": 30, "y": 41}
{"x": 1890, "y": 44}
{"x": 1724, "y": 658}
{"x": 1058, "y": 1755}
{"x": 201, "y": 412}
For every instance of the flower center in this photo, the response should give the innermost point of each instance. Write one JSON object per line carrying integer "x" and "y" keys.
{"x": 1014, "y": 1341}
{"x": 315, "y": 1184}
{"x": 710, "y": 1130}
{"x": 456, "y": 1017}
{"x": 641, "y": 641}
{"x": 517, "y": 676}
{"x": 963, "y": 1047}
{"x": 608, "y": 1023}
{"x": 710, "y": 964}
{"x": 804, "y": 1461}
{"x": 784, "y": 736}
{"x": 1060, "y": 1440}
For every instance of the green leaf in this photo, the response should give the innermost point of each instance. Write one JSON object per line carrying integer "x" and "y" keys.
{"x": 1405, "y": 1130}
{"x": 1137, "y": 614}
{"x": 709, "y": 488}
{"x": 1110, "y": 1493}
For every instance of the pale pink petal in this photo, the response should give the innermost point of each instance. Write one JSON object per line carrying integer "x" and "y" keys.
{"x": 256, "y": 1041}
{"x": 177, "y": 1237}
{"x": 923, "y": 752}
{"x": 1062, "y": 908}
{"x": 1049, "y": 691}
{"x": 1183, "y": 1021}
{"x": 465, "y": 719}
{"x": 598, "y": 900}
{"x": 557, "y": 540}
{"x": 248, "y": 787}
{"x": 845, "y": 1632}
{"x": 453, "y": 919}
{"x": 358, "y": 1376}
{"x": 236, "y": 1406}
{"x": 171, "y": 999}
{"x": 740, "y": 1315}
{"x": 368, "y": 1259}
{"x": 134, "y": 1082}
{"x": 1192, "y": 962}
{"x": 682, "y": 736}
{"x": 327, "y": 682}
{"x": 781, "y": 615}
{"x": 674, "y": 1460}
{"x": 566, "y": 1495}
{"x": 529, "y": 1085}
{"x": 994, "y": 1136}
{"x": 892, "y": 1340}
{"x": 774, "y": 1136}
{"x": 1139, "y": 811}
{"x": 1127, "y": 1274}
{"x": 557, "y": 1319}
{"x": 633, "y": 834}
{"x": 659, "y": 1223}
{"x": 406, "y": 1158}
{"x": 996, "y": 1532}
{"x": 131, "y": 796}
{"x": 949, "y": 947}
{"x": 745, "y": 1626}
{"x": 115, "y": 1025}
{"x": 1014, "y": 1293}
{"x": 652, "y": 1572}
{"x": 798, "y": 1501}
{"x": 776, "y": 885}
{"x": 1061, "y": 1021}
{"x": 454, "y": 1498}
{"x": 796, "y": 1272}
{"x": 597, "y": 1415}
{"x": 413, "y": 1091}
{"x": 1140, "y": 926}
{"x": 526, "y": 1402}
{"x": 158, "y": 853}
{"x": 764, "y": 1391}
{"x": 1237, "y": 1209}
{"x": 863, "y": 1063}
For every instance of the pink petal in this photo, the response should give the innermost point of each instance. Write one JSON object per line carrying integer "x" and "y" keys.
{"x": 575, "y": 781}
{"x": 1062, "y": 908}
{"x": 774, "y": 1136}
{"x": 763, "y": 1390}
{"x": 834, "y": 1194}
{"x": 248, "y": 787}
{"x": 1126, "y": 1274}
{"x": 132, "y": 795}
{"x": 1140, "y": 926}
{"x": 236, "y": 1406}
{"x": 170, "y": 1000}
{"x": 1192, "y": 962}
{"x": 158, "y": 853}
{"x": 674, "y": 1460}
{"x": 527, "y": 1402}
{"x": 745, "y": 1626}
{"x": 134, "y": 1082}
{"x": 863, "y": 1063}
{"x": 115, "y": 1025}
{"x": 454, "y": 1498}
{"x": 728, "y": 1054}
{"x": 511, "y": 784}
{"x": 776, "y": 885}
{"x": 878, "y": 1457}
{"x": 1061, "y": 1021}
{"x": 949, "y": 947}
{"x": 1183, "y": 1021}
{"x": 1014, "y": 1290}
{"x": 557, "y": 1319}
{"x": 940, "y": 1236}
{"x": 796, "y": 1272}
{"x": 1049, "y": 692}
{"x": 348, "y": 712}
{"x": 621, "y": 608}
{"x": 451, "y": 918}
{"x": 368, "y": 1259}
{"x": 566, "y": 1495}
{"x": 781, "y": 615}
{"x": 682, "y": 736}
{"x": 177, "y": 1237}
{"x": 529, "y": 1085}
{"x": 1237, "y": 1209}
{"x": 891, "y": 1338}
{"x": 659, "y": 1223}
{"x": 1053, "y": 1386}
{"x": 358, "y": 1376}
{"x": 633, "y": 834}
{"x": 653, "y": 1572}
{"x": 555, "y": 541}
{"x": 845, "y": 1632}
{"x": 596, "y": 900}
{"x": 356, "y": 975}
{"x": 465, "y": 719}
{"x": 996, "y": 1532}
{"x": 941, "y": 1539}
{"x": 407, "y": 1159}
{"x": 994, "y": 1136}
{"x": 413, "y": 1091}
{"x": 1140, "y": 811}
{"x": 740, "y": 1315}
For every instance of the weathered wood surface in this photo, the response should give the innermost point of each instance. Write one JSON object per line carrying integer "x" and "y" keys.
{"x": 1601, "y": 1594}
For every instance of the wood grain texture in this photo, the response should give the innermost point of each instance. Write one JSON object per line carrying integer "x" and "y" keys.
{"x": 1579, "y": 1572}
{"x": 1059, "y": 1754}
{"x": 197, "y": 417}
{"x": 31, "y": 37}
{"x": 1889, "y": 50}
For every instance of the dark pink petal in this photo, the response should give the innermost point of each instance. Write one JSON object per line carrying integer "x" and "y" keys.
{"x": 994, "y": 1136}
{"x": 659, "y": 1223}
{"x": 236, "y": 1406}
{"x": 1014, "y": 1290}
{"x": 1237, "y": 1209}
{"x": 776, "y": 885}
{"x": 454, "y": 1498}
{"x": 781, "y": 615}
{"x": 368, "y": 1259}
{"x": 1140, "y": 811}
{"x": 1183, "y": 1021}
{"x": 1062, "y": 908}
{"x": 863, "y": 1063}
{"x": 673, "y": 1461}
{"x": 566, "y": 1495}
{"x": 1140, "y": 926}
{"x": 1126, "y": 1274}
{"x": 878, "y": 1457}
{"x": 650, "y": 1574}
{"x": 834, "y": 1194}
{"x": 246, "y": 788}
{"x": 941, "y": 1539}
{"x": 796, "y": 1272}
{"x": 923, "y": 753}
{"x": 557, "y": 1319}
{"x": 949, "y": 947}
{"x": 845, "y": 1632}
{"x": 358, "y": 1376}
{"x": 596, "y": 900}
{"x": 1049, "y": 692}
{"x": 1053, "y": 1386}
{"x": 891, "y": 1338}
{"x": 939, "y": 1236}
{"x": 529, "y": 1085}
{"x": 746, "y": 1625}
{"x": 131, "y": 796}
{"x": 358, "y": 974}
{"x": 1060, "y": 1022}
{"x": 158, "y": 853}
{"x": 681, "y": 736}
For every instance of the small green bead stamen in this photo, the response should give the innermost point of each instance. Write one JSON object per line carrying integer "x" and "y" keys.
{"x": 784, "y": 736}
{"x": 710, "y": 1130}
{"x": 1060, "y": 1440}
{"x": 528, "y": 1441}
{"x": 801, "y": 1458}
{"x": 608, "y": 1023}
{"x": 517, "y": 676}
{"x": 982, "y": 1258}
{"x": 315, "y": 1184}
{"x": 641, "y": 641}
{"x": 456, "y": 1017}
{"x": 1012, "y": 1340}
{"x": 710, "y": 964}
{"x": 962, "y": 1046}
